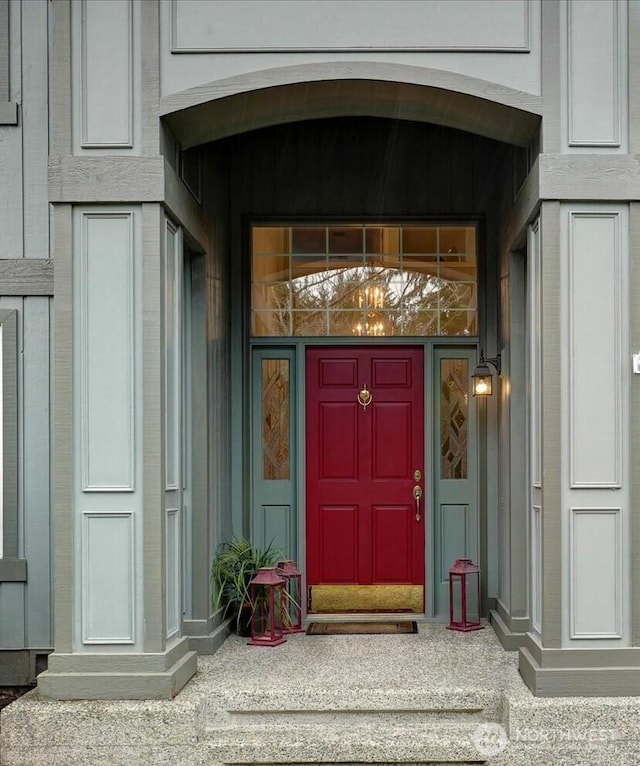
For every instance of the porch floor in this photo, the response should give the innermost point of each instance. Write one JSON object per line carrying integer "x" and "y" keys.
{"x": 433, "y": 697}
{"x": 346, "y": 670}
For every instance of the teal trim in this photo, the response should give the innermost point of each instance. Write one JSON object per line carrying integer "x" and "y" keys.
{"x": 274, "y": 507}
{"x": 301, "y": 421}
{"x": 303, "y": 341}
{"x": 429, "y": 588}
{"x": 456, "y": 521}
{"x": 239, "y": 387}
{"x": 294, "y": 349}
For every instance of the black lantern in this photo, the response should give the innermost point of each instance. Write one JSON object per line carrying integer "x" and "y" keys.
{"x": 291, "y": 597}
{"x": 464, "y": 596}
{"x": 481, "y": 380}
{"x": 266, "y": 594}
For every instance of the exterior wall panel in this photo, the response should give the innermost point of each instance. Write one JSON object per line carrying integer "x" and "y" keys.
{"x": 106, "y": 78}
{"x": 250, "y": 25}
{"x": 536, "y": 568}
{"x": 106, "y": 74}
{"x": 596, "y": 74}
{"x": 107, "y": 413}
{"x": 108, "y": 579}
{"x": 595, "y": 431}
{"x": 173, "y": 570}
{"x": 596, "y": 573}
{"x": 470, "y": 37}
{"x": 107, "y": 349}
{"x": 595, "y": 332}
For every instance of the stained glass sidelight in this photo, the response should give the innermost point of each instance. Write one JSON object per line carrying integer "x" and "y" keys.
{"x": 454, "y": 418}
{"x": 275, "y": 419}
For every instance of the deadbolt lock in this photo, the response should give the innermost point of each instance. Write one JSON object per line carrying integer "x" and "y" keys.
{"x": 417, "y": 475}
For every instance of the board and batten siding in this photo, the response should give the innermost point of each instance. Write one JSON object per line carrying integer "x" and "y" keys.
{"x": 25, "y": 566}
{"x": 25, "y": 604}
{"x": 23, "y": 143}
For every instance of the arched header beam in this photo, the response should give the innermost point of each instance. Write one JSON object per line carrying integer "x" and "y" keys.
{"x": 311, "y": 91}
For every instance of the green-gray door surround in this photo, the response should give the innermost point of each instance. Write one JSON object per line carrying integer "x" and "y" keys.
{"x": 273, "y": 447}
{"x": 455, "y": 468}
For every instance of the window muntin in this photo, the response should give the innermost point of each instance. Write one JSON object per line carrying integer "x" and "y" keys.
{"x": 364, "y": 280}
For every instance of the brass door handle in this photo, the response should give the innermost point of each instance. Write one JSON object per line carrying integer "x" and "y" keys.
{"x": 417, "y": 493}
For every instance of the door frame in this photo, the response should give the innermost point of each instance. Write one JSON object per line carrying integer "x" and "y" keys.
{"x": 298, "y": 347}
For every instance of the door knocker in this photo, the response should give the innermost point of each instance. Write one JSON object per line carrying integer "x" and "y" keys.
{"x": 364, "y": 397}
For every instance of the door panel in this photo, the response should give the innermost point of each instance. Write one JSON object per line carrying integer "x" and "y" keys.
{"x": 392, "y": 562}
{"x": 338, "y": 441}
{"x": 393, "y": 455}
{"x": 338, "y": 538}
{"x": 362, "y": 529}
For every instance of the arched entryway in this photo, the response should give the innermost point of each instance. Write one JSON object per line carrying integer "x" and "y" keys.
{"x": 354, "y": 171}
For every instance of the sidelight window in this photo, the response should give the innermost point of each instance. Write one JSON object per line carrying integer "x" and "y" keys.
{"x": 364, "y": 280}
{"x": 275, "y": 419}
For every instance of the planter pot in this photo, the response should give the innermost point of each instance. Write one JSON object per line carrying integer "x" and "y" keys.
{"x": 243, "y": 625}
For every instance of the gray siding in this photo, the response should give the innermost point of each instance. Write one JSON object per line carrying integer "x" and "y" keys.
{"x": 25, "y": 607}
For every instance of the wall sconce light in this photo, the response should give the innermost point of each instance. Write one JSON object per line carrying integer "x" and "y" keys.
{"x": 481, "y": 380}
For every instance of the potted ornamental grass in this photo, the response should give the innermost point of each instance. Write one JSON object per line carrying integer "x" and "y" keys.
{"x": 232, "y": 569}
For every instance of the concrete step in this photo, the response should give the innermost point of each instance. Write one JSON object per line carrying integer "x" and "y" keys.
{"x": 486, "y": 704}
{"x": 280, "y": 719}
{"x": 426, "y": 740}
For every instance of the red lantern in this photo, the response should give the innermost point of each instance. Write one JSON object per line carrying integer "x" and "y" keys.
{"x": 265, "y": 592}
{"x": 464, "y": 586}
{"x": 291, "y": 597}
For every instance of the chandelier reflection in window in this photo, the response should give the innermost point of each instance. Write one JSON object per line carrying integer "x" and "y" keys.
{"x": 360, "y": 280}
{"x": 370, "y": 299}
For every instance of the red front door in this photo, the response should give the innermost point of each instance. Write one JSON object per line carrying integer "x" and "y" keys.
{"x": 365, "y": 531}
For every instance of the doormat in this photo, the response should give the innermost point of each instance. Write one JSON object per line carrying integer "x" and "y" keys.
{"x": 361, "y": 628}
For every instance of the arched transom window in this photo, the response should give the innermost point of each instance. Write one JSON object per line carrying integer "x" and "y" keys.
{"x": 364, "y": 280}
